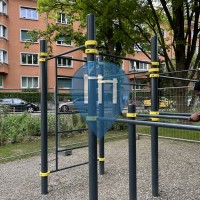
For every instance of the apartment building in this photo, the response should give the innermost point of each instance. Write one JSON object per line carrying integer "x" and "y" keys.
{"x": 19, "y": 66}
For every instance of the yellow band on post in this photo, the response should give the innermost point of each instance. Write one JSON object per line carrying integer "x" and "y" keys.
{"x": 42, "y": 59}
{"x": 154, "y": 75}
{"x": 131, "y": 114}
{"x": 101, "y": 159}
{"x": 154, "y": 113}
{"x": 154, "y": 70}
{"x": 44, "y": 174}
{"x": 198, "y": 69}
{"x": 91, "y": 118}
{"x": 43, "y": 54}
{"x": 154, "y": 63}
{"x": 95, "y": 51}
{"x": 90, "y": 42}
{"x": 155, "y": 119}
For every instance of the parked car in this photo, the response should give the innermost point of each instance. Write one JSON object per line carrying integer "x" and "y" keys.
{"x": 163, "y": 103}
{"x": 77, "y": 104}
{"x": 18, "y": 105}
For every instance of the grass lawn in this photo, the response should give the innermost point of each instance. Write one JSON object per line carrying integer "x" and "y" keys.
{"x": 27, "y": 149}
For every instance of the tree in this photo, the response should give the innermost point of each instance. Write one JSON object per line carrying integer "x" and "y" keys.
{"x": 115, "y": 32}
{"x": 123, "y": 25}
{"x": 182, "y": 19}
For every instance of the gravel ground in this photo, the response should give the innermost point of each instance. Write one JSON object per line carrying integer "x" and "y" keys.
{"x": 179, "y": 174}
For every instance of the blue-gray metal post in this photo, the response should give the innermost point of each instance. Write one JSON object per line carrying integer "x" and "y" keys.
{"x": 44, "y": 144}
{"x": 154, "y": 109}
{"x": 132, "y": 153}
{"x": 101, "y": 123}
{"x": 57, "y": 110}
{"x": 92, "y": 82}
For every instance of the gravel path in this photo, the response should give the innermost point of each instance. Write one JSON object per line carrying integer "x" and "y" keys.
{"x": 179, "y": 174}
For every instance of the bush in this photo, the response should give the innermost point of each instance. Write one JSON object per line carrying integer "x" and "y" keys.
{"x": 24, "y": 126}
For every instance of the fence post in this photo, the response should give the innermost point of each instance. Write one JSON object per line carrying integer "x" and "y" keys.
{"x": 154, "y": 111}
{"x": 132, "y": 153}
{"x": 44, "y": 143}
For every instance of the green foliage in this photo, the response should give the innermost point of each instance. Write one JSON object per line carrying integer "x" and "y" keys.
{"x": 29, "y": 95}
{"x": 123, "y": 26}
{"x": 74, "y": 120}
{"x": 119, "y": 126}
{"x": 15, "y": 127}
{"x": 116, "y": 21}
{"x": 22, "y": 127}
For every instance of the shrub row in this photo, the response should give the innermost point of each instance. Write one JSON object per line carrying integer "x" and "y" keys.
{"x": 26, "y": 127}
{"x": 32, "y": 96}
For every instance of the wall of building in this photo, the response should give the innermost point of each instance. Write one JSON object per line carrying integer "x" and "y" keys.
{"x": 13, "y": 71}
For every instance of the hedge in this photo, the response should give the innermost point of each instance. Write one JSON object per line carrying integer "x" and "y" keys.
{"x": 33, "y": 96}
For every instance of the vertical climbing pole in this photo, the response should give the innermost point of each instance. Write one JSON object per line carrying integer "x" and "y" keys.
{"x": 132, "y": 153}
{"x": 154, "y": 74}
{"x": 91, "y": 52}
{"x": 44, "y": 144}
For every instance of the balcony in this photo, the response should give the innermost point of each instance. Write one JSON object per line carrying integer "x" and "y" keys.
{"x": 3, "y": 68}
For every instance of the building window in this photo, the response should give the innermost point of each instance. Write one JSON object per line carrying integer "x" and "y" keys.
{"x": 3, "y": 6}
{"x": 3, "y": 56}
{"x": 29, "y": 59}
{"x": 3, "y": 31}
{"x": 132, "y": 65}
{"x": 1, "y": 81}
{"x": 138, "y": 66}
{"x": 25, "y": 36}
{"x": 62, "y": 18}
{"x": 62, "y": 41}
{"x": 64, "y": 62}
{"x": 142, "y": 66}
{"x": 64, "y": 82}
{"x": 29, "y": 82}
{"x": 28, "y": 13}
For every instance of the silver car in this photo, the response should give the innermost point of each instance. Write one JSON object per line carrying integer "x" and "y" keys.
{"x": 75, "y": 105}
{"x": 79, "y": 105}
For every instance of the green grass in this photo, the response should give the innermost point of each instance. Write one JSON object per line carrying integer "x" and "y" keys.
{"x": 28, "y": 149}
{"x": 16, "y": 149}
{"x": 172, "y": 133}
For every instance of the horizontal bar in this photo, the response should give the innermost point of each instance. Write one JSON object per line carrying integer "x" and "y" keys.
{"x": 159, "y": 124}
{"x": 163, "y": 116}
{"x": 123, "y": 58}
{"x": 69, "y": 167}
{"x": 178, "y": 71}
{"x": 73, "y": 148}
{"x": 176, "y": 78}
{"x": 75, "y": 59}
{"x": 64, "y": 53}
{"x": 73, "y": 130}
{"x": 73, "y": 144}
{"x": 172, "y": 138}
{"x": 180, "y": 114}
{"x": 141, "y": 72}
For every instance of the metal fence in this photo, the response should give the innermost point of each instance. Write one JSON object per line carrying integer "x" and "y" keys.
{"x": 177, "y": 99}
{"x": 190, "y": 104}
